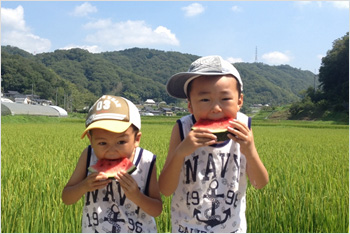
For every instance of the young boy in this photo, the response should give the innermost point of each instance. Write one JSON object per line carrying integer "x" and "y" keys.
{"x": 208, "y": 178}
{"x": 129, "y": 203}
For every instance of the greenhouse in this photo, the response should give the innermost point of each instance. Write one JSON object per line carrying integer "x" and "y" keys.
{"x": 8, "y": 108}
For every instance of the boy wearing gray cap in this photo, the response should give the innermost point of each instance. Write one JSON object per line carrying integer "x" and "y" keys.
{"x": 207, "y": 178}
{"x": 129, "y": 203}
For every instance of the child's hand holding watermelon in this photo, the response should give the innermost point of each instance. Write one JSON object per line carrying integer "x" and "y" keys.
{"x": 242, "y": 135}
{"x": 129, "y": 185}
{"x": 196, "y": 138}
{"x": 95, "y": 181}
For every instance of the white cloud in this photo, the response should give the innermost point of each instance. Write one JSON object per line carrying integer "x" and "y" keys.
{"x": 302, "y": 3}
{"x": 341, "y": 4}
{"x": 276, "y": 58}
{"x": 84, "y": 9}
{"x": 320, "y": 56}
{"x": 234, "y": 60}
{"x": 16, "y": 33}
{"x": 236, "y": 9}
{"x": 165, "y": 36}
{"x": 320, "y": 4}
{"x": 130, "y": 33}
{"x": 13, "y": 19}
{"x": 193, "y": 9}
{"x": 102, "y": 23}
{"x": 91, "y": 49}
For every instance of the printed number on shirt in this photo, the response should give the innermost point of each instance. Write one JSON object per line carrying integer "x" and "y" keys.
{"x": 135, "y": 226}
{"x": 94, "y": 219}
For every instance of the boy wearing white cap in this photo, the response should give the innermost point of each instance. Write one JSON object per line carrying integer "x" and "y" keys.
{"x": 208, "y": 178}
{"x": 129, "y": 203}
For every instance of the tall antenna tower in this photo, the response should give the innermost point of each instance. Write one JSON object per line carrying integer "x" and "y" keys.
{"x": 256, "y": 54}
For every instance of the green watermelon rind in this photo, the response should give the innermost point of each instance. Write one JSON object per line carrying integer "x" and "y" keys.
{"x": 131, "y": 169}
{"x": 111, "y": 176}
{"x": 221, "y": 136}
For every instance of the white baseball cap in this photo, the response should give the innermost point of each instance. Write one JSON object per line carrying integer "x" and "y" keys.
{"x": 213, "y": 65}
{"x": 112, "y": 113}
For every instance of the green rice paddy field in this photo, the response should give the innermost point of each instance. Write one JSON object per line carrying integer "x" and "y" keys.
{"x": 308, "y": 165}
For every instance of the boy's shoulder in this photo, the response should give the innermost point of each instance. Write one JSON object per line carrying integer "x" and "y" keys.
{"x": 188, "y": 117}
{"x": 144, "y": 154}
{"x": 245, "y": 119}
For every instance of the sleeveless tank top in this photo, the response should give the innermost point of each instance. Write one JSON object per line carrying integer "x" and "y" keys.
{"x": 210, "y": 196}
{"x": 108, "y": 209}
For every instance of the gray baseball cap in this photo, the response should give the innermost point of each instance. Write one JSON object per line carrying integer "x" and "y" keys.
{"x": 208, "y": 66}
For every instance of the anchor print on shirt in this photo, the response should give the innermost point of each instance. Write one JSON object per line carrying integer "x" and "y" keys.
{"x": 212, "y": 218}
{"x": 113, "y": 219}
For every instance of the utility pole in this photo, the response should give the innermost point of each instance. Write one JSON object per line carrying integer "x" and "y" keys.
{"x": 315, "y": 82}
{"x": 256, "y": 54}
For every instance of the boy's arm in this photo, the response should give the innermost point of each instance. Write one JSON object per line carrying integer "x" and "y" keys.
{"x": 169, "y": 176}
{"x": 79, "y": 184}
{"x": 178, "y": 150}
{"x": 151, "y": 204}
{"x": 256, "y": 170}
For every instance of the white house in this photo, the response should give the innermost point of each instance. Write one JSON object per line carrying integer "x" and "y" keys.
{"x": 24, "y": 100}
{"x": 150, "y": 102}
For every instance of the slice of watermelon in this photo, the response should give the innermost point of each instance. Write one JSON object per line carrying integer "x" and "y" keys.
{"x": 112, "y": 167}
{"x": 217, "y": 127}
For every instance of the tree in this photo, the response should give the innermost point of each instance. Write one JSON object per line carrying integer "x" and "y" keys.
{"x": 334, "y": 74}
{"x": 332, "y": 100}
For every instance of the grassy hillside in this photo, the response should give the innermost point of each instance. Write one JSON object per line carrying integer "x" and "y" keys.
{"x": 137, "y": 74}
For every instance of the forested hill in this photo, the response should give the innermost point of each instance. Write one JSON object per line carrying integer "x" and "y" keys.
{"x": 137, "y": 74}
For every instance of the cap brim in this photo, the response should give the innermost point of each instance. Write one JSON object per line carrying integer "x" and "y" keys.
{"x": 109, "y": 125}
{"x": 175, "y": 85}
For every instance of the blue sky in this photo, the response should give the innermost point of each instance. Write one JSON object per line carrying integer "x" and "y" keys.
{"x": 297, "y": 33}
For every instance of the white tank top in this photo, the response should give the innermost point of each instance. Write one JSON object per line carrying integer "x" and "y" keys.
{"x": 108, "y": 209}
{"x": 210, "y": 196}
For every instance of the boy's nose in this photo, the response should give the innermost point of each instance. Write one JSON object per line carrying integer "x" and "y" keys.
{"x": 113, "y": 148}
{"x": 216, "y": 108}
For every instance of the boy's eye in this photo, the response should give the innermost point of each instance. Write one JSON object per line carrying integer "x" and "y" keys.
{"x": 204, "y": 100}
{"x": 122, "y": 142}
{"x": 102, "y": 143}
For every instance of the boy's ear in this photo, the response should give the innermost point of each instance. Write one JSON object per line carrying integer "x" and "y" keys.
{"x": 189, "y": 106}
{"x": 138, "y": 139}
{"x": 89, "y": 135}
{"x": 240, "y": 101}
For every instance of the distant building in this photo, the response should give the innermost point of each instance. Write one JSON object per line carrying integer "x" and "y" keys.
{"x": 147, "y": 110}
{"x": 8, "y": 108}
{"x": 167, "y": 112}
{"x": 150, "y": 102}
{"x": 23, "y": 100}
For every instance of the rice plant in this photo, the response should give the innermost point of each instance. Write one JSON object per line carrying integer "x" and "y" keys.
{"x": 308, "y": 168}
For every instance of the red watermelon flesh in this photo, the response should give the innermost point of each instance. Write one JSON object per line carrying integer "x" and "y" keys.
{"x": 217, "y": 127}
{"x": 112, "y": 167}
